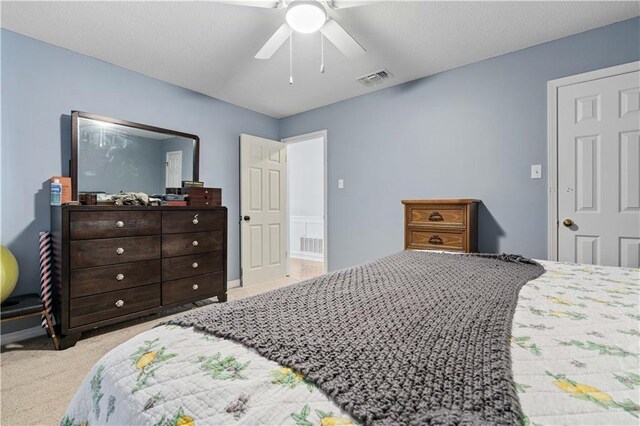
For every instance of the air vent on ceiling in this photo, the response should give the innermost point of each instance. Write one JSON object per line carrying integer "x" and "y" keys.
{"x": 375, "y": 78}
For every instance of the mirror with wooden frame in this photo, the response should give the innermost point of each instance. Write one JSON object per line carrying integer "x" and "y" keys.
{"x": 111, "y": 156}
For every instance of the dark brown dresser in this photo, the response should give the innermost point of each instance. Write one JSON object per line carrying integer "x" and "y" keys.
{"x": 450, "y": 225}
{"x": 118, "y": 263}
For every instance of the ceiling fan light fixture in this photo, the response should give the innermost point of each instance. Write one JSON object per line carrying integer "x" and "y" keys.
{"x": 305, "y": 16}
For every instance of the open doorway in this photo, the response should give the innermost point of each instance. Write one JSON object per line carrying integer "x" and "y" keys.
{"x": 307, "y": 168}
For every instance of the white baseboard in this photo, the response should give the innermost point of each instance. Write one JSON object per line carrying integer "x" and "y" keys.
{"x": 233, "y": 284}
{"x": 20, "y": 335}
{"x": 307, "y": 256}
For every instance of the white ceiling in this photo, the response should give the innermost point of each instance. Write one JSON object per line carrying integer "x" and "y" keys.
{"x": 209, "y": 47}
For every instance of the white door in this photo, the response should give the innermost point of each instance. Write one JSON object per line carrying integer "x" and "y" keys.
{"x": 174, "y": 169}
{"x": 263, "y": 192}
{"x": 599, "y": 171}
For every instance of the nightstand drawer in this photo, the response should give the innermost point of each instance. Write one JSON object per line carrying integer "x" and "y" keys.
{"x": 437, "y": 239}
{"x": 445, "y": 216}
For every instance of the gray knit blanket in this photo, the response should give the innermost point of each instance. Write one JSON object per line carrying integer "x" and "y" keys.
{"x": 413, "y": 338}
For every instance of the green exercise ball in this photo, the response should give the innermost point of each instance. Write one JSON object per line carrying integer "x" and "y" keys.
{"x": 8, "y": 273}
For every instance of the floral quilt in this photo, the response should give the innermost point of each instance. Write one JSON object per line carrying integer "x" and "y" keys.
{"x": 575, "y": 346}
{"x": 575, "y": 351}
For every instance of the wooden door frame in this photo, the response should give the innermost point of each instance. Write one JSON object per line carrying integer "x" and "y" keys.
{"x": 553, "y": 87}
{"x": 301, "y": 138}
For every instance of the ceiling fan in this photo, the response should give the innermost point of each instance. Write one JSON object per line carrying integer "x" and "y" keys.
{"x": 307, "y": 16}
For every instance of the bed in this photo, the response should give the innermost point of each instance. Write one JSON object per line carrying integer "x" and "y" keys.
{"x": 574, "y": 354}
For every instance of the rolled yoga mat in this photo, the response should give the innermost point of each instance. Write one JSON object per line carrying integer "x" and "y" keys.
{"x": 45, "y": 273}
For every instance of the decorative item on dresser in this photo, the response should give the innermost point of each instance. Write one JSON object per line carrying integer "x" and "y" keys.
{"x": 118, "y": 263}
{"x": 450, "y": 225}
{"x": 200, "y": 196}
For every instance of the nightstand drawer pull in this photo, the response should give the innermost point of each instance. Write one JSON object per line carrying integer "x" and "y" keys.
{"x": 120, "y": 303}
{"x": 435, "y": 217}
{"x": 120, "y": 277}
{"x": 435, "y": 239}
{"x": 119, "y": 224}
{"x": 194, "y": 265}
{"x": 195, "y": 286}
{"x": 119, "y": 250}
{"x": 194, "y": 243}
{"x": 195, "y": 220}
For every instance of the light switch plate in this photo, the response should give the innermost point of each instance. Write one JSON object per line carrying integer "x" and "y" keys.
{"x": 536, "y": 171}
{"x": 340, "y": 183}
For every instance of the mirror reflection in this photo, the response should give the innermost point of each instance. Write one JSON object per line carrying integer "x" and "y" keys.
{"x": 114, "y": 158}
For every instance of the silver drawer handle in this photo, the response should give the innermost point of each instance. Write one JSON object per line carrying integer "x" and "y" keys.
{"x": 119, "y": 250}
{"x": 120, "y": 303}
{"x": 195, "y": 286}
{"x": 194, "y": 243}
{"x": 194, "y": 265}
{"x": 195, "y": 220}
{"x": 119, "y": 224}
{"x": 119, "y": 277}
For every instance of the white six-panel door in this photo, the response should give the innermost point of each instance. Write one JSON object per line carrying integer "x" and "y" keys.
{"x": 599, "y": 171}
{"x": 173, "y": 169}
{"x": 263, "y": 204}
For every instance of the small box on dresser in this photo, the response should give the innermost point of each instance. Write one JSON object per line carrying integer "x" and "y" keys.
{"x": 450, "y": 225}
{"x": 117, "y": 263}
{"x": 201, "y": 196}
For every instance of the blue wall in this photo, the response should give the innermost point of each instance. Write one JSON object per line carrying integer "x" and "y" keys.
{"x": 471, "y": 132}
{"x": 42, "y": 83}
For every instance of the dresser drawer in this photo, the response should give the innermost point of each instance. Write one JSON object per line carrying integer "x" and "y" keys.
{"x": 191, "y": 243}
{"x": 192, "y": 221}
{"x": 103, "y": 279}
{"x": 90, "y": 309}
{"x": 110, "y": 224}
{"x": 195, "y": 264}
{"x": 203, "y": 196}
{"x": 445, "y": 216}
{"x": 192, "y": 288}
{"x": 88, "y": 253}
{"x": 437, "y": 239}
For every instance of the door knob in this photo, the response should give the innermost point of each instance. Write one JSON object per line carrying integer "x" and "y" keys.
{"x": 567, "y": 222}
{"x": 247, "y": 218}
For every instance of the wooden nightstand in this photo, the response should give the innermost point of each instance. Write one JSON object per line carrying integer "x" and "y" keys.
{"x": 450, "y": 225}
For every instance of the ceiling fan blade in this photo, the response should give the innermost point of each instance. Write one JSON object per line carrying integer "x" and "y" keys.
{"x": 342, "y": 40}
{"x": 344, "y": 4}
{"x": 267, "y": 4}
{"x": 277, "y": 39}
